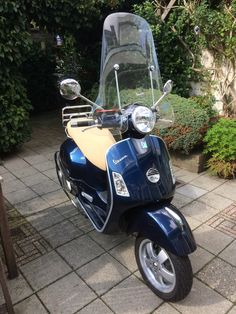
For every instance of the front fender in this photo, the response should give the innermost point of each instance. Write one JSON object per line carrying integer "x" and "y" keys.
{"x": 163, "y": 228}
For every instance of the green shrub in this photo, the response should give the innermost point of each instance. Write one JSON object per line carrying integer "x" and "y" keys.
{"x": 206, "y": 102}
{"x": 190, "y": 125}
{"x": 221, "y": 144}
{"x": 14, "y": 113}
{"x": 14, "y": 105}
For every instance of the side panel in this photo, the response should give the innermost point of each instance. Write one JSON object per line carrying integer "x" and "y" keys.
{"x": 159, "y": 226}
{"x": 80, "y": 168}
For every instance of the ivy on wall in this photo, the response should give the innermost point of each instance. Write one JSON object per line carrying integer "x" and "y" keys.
{"x": 15, "y": 43}
{"x": 217, "y": 22}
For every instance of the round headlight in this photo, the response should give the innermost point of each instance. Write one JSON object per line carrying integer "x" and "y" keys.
{"x": 143, "y": 119}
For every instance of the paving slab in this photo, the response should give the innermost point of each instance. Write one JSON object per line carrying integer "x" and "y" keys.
{"x": 51, "y": 173}
{"x": 31, "y": 305}
{"x": 193, "y": 223}
{"x": 107, "y": 241}
{"x": 206, "y": 182}
{"x": 67, "y": 209}
{"x": 199, "y": 211}
{"x": 131, "y": 296}
{"x": 166, "y": 308}
{"x": 202, "y": 299}
{"x": 60, "y": 233}
{"x": 97, "y": 307}
{"x": 200, "y": 258}
{"x": 233, "y": 310}
{"x": 32, "y": 206}
{"x": 229, "y": 254}
{"x": 211, "y": 239}
{"x": 103, "y": 273}
{"x": 181, "y": 200}
{"x": 2, "y": 170}
{"x": 45, "y": 270}
{"x": 191, "y": 191}
{"x": 185, "y": 175}
{"x": 7, "y": 176}
{"x": 25, "y": 172}
{"x": 25, "y": 151}
{"x": 45, "y": 187}
{"x": 82, "y": 223}
{"x": 227, "y": 190}
{"x": 34, "y": 179}
{"x": 55, "y": 198}
{"x": 124, "y": 253}
{"x": 66, "y": 295}
{"x": 46, "y": 165}
{"x": 12, "y": 186}
{"x": 20, "y": 196}
{"x": 215, "y": 200}
{"x": 14, "y": 163}
{"x": 80, "y": 251}
{"x": 18, "y": 288}
{"x": 35, "y": 159}
{"x": 45, "y": 219}
{"x": 225, "y": 221}
{"x": 220, "y": 276}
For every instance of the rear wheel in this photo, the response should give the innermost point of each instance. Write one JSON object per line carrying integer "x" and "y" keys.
{"x": 169, "y": 276}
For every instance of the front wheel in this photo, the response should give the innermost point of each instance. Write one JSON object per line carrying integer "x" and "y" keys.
{"x": 169, "y": 276}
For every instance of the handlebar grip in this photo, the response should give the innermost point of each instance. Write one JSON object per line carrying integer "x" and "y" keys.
{"x": 82, "y": 123}
{"x": 111, "y": 124}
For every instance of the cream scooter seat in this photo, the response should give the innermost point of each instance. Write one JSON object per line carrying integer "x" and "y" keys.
{"x": 93, "y": 143}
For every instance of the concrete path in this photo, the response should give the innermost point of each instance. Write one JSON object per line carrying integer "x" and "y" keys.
{"x": 67, "y": 267}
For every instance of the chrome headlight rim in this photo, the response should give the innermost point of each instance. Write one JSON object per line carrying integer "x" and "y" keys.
{"x": 134, "y": 116}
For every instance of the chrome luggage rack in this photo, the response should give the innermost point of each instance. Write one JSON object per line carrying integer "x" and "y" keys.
{"x": 73, "y": 112}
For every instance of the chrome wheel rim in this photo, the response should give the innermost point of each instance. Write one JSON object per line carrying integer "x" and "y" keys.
{"x": 157, "y": 266}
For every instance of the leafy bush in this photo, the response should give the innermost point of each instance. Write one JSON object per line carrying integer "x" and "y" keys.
{"x": 206, "y": 102}
{"x": 14, "y": 104}
{"x": 14, "y": 113}
{"x": 189, "y": 128}
{"x": 221, "y": 144}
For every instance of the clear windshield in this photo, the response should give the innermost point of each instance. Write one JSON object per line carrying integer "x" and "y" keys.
{"x": 128, "y": 42}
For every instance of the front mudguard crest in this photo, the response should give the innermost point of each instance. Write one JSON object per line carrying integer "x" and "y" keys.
{"x": 160, "y": 227}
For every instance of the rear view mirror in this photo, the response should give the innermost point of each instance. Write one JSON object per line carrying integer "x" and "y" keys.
{"x": 70, "y": 89}
{"x": 168, "y": 87}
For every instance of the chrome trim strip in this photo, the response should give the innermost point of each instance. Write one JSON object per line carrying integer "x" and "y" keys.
{"x": 90, "y": 219}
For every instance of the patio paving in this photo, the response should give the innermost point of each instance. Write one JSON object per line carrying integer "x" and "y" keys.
{"x": 67, "y": 267}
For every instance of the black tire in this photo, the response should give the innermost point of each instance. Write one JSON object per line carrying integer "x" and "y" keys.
{"x": 179, "y": 267}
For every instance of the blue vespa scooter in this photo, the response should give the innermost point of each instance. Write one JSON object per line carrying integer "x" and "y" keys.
{"x": 118, "y": 174}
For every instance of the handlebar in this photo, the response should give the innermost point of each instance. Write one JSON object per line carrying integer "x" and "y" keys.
{"x": 106, "y": 121}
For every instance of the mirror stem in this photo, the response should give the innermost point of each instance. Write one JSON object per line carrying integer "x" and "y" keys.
{"x": 153, "y": 108}
{"x": 95, "y": 106}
